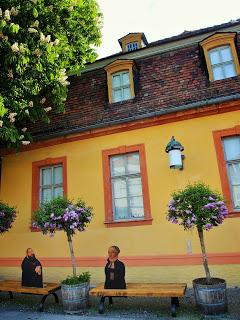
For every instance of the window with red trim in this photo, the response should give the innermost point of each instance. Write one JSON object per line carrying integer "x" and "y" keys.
{"x": 227, "y": 143}
{"x": 49, "y": 180}
{"x": 125, "y": 186}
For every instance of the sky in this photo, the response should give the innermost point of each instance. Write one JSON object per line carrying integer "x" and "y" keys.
{"x": 160, "y": 19}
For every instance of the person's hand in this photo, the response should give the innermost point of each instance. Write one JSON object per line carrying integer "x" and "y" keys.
{"x": 38, "y": 270}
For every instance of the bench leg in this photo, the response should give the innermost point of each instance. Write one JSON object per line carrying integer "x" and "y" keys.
{"x": 174, "y": 306}
{"x": 110, "y": 299}
{"x": 41, "y": 306}
{"x": 10, "y": 294}
{"x": 101, "y": 305}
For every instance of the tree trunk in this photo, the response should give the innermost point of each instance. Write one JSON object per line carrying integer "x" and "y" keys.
{"x": 72, "y": 255}
{"x": 204, "y": 256}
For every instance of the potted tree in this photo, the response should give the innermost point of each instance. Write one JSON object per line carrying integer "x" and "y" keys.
{"x": 7, "y": 217}
{"x": 70, "y": 217}
{"x": 197, "y": 205}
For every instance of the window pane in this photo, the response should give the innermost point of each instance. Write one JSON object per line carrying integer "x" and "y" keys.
{"x": 234, "y": 173}
{"x": 57, "y": 175}
{"x": 236, "y": 196}
{"x": 229, "y": 70}
{"x": 57, "y": 192}
{"x": 117, "y": 165}
{"x": 232, "y": 148}
{"x": 133, "y": 165}
{"x": 126, "y": 93}
{"x": 135, "y": 186}
{"x": 226, "y": 54}
{"x": 121, "y": 208}
{"x": 125, "y": 78}
{"x": 214, "y": 57}
{"x": 136, "y": 207}
{"x": 117, "y": 95}
{"x": 119, "y": 188}
{"x": 217, "y": 73}
{"x": 46, "y": 176}
{"x": 46, "y": 195}
{"x": 116, "y": 81}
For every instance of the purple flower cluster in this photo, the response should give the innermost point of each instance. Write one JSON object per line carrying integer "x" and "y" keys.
{"x": 213, "y": 212}
{"x": 71, "y": 219}
{"x": 7, "y": 217}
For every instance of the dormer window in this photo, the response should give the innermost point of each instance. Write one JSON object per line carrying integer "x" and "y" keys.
{"x": 120, "y": 80}
{"x": 221, "y": 56}
{"x": 222, "y": 63}
{"x": 133, "y": 41}
{"x": 121, "y": 86}
{"x": 132, "y": 46}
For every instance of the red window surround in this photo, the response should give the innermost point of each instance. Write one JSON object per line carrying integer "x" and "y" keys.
{"x": 106, "y": 154}
{"x": 36, "y": 166}
{"x": 217, "y": 136}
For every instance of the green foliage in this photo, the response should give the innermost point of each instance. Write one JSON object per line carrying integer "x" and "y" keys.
{"x": 62, "y": 214}
{"x": 197, "y": 205}
{"x": 73, "y": 280}
{"x": 7, "y": 217}
{"x": 41, "y": 41}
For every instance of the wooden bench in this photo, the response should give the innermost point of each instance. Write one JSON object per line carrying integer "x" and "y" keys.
{"x": 172, "y": 290}
{"x": 15, "y": 286}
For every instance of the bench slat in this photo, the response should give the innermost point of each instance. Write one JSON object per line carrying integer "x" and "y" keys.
{"x": 15, "y": 286}
{"x": 143, "y": 289}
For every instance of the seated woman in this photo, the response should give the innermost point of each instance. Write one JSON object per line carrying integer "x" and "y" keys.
{"x": 31, "y": 271}
{"x": 114, "y": 270}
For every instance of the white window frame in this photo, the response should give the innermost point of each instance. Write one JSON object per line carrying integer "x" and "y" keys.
{"x": 228, "y": 164}
{"x": 222, "y": 64}
{"x": 50, "y": 186}
{"x": 132, "y": 46}
{"x": 126, "y": 177}
{"x": 121, "y": 87}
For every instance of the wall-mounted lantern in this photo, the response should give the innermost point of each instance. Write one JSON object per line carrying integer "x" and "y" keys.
{"x": 174, "y": 149}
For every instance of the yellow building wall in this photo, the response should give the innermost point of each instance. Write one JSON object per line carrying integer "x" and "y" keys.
{"x": 85, "y": 180}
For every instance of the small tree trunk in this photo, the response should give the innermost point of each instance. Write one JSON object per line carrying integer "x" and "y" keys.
{"x": 204, "y": 255}
{"x": 72, "y": 255}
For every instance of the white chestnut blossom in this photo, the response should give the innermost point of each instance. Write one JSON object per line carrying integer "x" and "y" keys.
{"x": 48, "y": 38}
{"x": 21, "y": 137}
{"x": 25, "y": 142}
{"x": 12, "y": 116}
{"x": 27, "y": 112}
{"x": 43, "y": 100}
{"x": 10, "y": 73}
{"x": 47, "y": 109}
{"x": 1, "y": 12}
{"x": 35, "y": 24}
{"x": 24, "y": 129}
{"x": 22, "y": 48}
{"x": 14, "y": 11}
{"x": 63, "y": 78}
{"x": 15, "y": 47}
{"x": 34, "y": 1}
{"x": 37, "y": 52}
{"x": 32, "y": 30}
{"x": 70, "y": 8}
{"x": 7, "y": 15}
{"x": 1, "y": 123}
{"x": 56, "y": 42}
{"x": 30, "y": 104}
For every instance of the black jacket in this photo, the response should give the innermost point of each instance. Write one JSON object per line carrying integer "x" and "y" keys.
{"x": 115, "y": 277}
{"x": 29, "y": 277}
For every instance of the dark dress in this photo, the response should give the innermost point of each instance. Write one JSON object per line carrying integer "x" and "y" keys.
{"x": 115, "y": 276}
{"x": 29, "y": 276}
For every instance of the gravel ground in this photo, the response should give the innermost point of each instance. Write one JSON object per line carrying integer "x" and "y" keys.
{"x": 24, "y": 307}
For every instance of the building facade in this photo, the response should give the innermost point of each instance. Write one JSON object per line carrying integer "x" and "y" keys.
{"x": 108, "y": 148}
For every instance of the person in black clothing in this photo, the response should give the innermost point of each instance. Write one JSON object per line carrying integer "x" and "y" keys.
{"x": 31, "y": 271}
{"x": 114, "y": 270}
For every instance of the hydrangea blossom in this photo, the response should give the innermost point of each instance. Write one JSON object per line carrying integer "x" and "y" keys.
{"x": 7, "y": 217}
{"x": 213, "y": 212}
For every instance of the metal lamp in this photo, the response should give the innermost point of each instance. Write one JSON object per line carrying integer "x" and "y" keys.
{"x": 174, "y": 149}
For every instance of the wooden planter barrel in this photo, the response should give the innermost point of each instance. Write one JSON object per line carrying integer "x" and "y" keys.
{"x": 75, "y": 298}
{"x": 210, "y": 298}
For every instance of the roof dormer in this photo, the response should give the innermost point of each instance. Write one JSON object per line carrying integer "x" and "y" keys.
{"x": 133, "y": 41}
